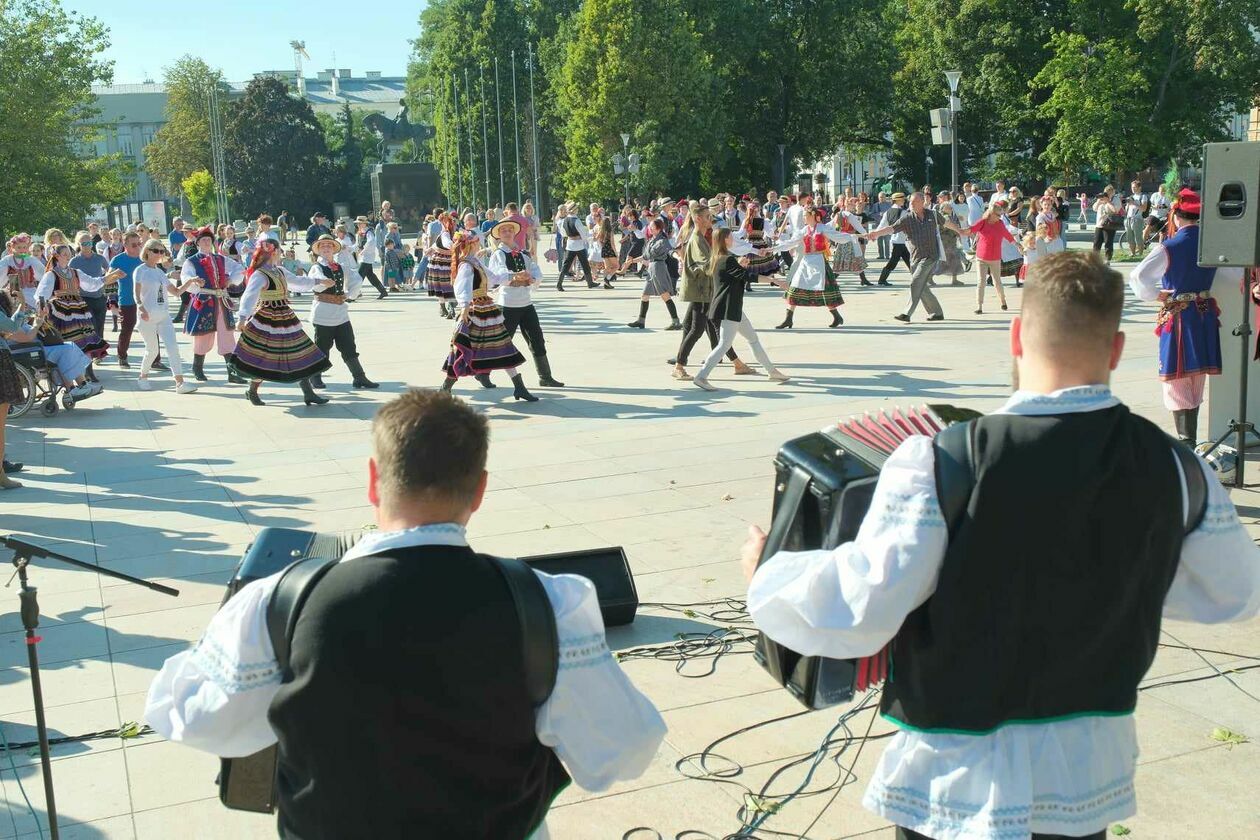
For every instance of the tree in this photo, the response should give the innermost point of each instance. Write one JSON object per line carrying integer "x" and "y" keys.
{"x": 49, "y": 60}
{"x": 199, "y": 188}
{"x": 352, "y": 148}
{"x": 275, "y": 152}
{"x": 182, "y": 146}
{"x": 1183, "y": 68}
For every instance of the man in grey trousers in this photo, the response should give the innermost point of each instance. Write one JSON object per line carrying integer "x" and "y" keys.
{"x": 923, "y": 238}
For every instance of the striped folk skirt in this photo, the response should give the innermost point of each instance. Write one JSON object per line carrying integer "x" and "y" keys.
{"x": 70, "y": 315}
{"x": 438, "y": 275}
{"x": 762, "y": 265}
{"x": 481, "y": 344}
{"x": 272, "y": 346}
{"x": 829, "y": 295}
{"x": 848, "y": 259}
{"x": 11, "y": 385}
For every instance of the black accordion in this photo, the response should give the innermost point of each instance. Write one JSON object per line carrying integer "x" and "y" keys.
{"x": 824, "y": 483}
{"x": 248, "y": 783}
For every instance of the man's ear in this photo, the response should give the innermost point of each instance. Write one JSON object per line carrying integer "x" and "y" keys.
{"x": 1017, "y": 337}
{"x": 480, "y": 495}
{"x": 374, "y": 478}
{"x": 1117, "y": 349}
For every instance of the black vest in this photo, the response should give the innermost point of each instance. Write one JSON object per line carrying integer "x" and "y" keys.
{"x": 407, "y": 715}
{"x": 1050, "y": 596}
{"x": 334, "y": 272}
{"x": 514, "y": 261}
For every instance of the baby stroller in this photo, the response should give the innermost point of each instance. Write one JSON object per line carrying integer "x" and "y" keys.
{"x": 40, "y": 380}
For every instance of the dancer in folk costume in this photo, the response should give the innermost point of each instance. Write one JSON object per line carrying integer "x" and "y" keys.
{"x": 59, "y": 290}
{"x": 1189, "y": 320}
{"x": 757, "y": 234}
{"x": 22, "y": 270}
{"x": 848, "y": 257}
{"x": 658, "y": 282}
{"x": 330, "y": 313}
{"x": 811, "y": 281}
{"x": 272, "y": 345}
{"x": 210, "y": 278}
{"x": 952, "y": 261}
{"x": 438, "y": 276}
{"x": 516, "y": 294}
{"x": 481, "y": 343}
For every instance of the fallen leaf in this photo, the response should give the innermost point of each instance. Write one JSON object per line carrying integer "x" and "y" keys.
{"x": 1226, "y": 736}
{"x": 1120, "y": 830}
{"x": 707, "y": 580}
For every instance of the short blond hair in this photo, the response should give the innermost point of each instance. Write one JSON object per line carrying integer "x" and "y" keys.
{"x": 1072, "y": 303}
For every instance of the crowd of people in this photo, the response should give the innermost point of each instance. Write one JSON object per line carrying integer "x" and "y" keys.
{"x": 236, "y": 290}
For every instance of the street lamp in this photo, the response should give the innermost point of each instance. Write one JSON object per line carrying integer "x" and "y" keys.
{"x": 625, "y": 150}
{"x": 955, "y": 105}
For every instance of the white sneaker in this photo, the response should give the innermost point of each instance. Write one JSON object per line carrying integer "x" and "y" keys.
{"x": 144, "y": 385}
{"x": 185, "y": 387}
{"x": 80, "y": 392}
{"x": 703, "y": 383}
{"x": 779, "y": 376}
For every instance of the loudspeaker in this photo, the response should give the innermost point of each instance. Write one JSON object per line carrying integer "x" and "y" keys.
{"x": 608, "y": 569}
{"x": 1229, "y": 232}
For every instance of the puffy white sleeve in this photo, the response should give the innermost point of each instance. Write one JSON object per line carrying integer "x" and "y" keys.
{"x": 249, "y": 299}
{"x": 497, "y": 268}
{"x": 1147, "y": 278}
{"x": 791, "y": 241}
{"x": 599, "y": 724}
{"x": 215, "y": 696}
{"x": 856, "y": 221}
{"x": 188, "y": 272}
{"x": 464, "y": 280}
{"x": 533, "y": 269}
{"x": 850, "y": 601}
{"x": 353, "y": 279}
{"x": 234, "y": 269}
{"x": 835, "y": 235}
{"x": 44, "y": 289}
{"x": 88, "y": 283}
{"x": 1218, "y": 577}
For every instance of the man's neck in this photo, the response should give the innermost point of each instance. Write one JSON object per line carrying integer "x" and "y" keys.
{"x": 402, "y": 520}
{"x": 1039, "y": 379}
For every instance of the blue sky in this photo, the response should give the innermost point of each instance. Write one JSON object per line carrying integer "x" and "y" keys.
{"x": 244, "y": 38}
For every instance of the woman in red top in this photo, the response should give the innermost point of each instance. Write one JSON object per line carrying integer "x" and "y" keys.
{"x": 990, "y": 231}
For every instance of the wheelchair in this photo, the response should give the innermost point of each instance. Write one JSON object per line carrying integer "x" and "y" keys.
{"x": 40, "y": 381}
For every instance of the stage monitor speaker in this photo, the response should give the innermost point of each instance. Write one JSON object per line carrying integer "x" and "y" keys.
{"x": 1229, "y": 232}
{"x": 608, "y": 569}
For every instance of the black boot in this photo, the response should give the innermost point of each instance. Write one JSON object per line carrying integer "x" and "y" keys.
{"x": 519, "y": 391}
{"x": 560, "y": 285}
{"x": 317, "y": 381}
{"x": 787, "y": 322}
{"x": 545, "y": 379}
{"x": 448, "y": 384}
{"x": 1179, "y": 423}
{"x": 234, "y": 377}
{"x": 675, "y": 325}
{"x": 308, "y": 394}
{"x": 836, "y": 319}
{"x": 360, "y": 378}
{"x": 199, "y": 367}
{"x": 1192, "y": 426}
{"x": 484, "y": 379}
{"x": 90, "y": 374}
{"x": 251, "y": 394}
{"x": 640, "y": 322}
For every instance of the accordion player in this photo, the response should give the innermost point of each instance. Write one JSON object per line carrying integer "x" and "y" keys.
{"x": 824, "y": 483}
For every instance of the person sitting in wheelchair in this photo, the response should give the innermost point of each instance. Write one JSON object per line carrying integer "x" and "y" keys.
{"x": 71, "y": 362}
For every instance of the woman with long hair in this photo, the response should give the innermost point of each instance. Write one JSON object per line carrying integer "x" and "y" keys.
{"x": 272, "y": 344}
{"x": 21, "y": 268}
{"x": 603, "y": 235}
{"x": 481, "y": 343}
{"x": 60, "y": 291}
{"x": 727, "y": 309}
{"x": 761, "y": 263}
{"x": 438, "y": 276}
{"x": 811, "y": 281}
{"x": 658, "y": 281}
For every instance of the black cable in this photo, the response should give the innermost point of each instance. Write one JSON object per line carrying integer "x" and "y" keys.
{"x": 693, "y": 647}
{"x": 1212, "y": 665}
{"x": 127, "y": 730}
{"x": 725, "y": 610}
{"x": 1201, "y": 678}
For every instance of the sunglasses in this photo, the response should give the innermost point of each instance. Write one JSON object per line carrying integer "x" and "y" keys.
{"x": 162, "y": 251}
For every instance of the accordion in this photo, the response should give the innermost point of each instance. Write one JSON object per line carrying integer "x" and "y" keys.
{"x": 248, "y": 783}
{"x": 824, "y": 483}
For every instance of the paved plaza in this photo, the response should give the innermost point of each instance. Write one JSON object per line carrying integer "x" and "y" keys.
{"x": 173, "y": 488}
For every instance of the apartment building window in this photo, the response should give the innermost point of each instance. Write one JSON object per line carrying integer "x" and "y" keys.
{"x": 124, "y": 145}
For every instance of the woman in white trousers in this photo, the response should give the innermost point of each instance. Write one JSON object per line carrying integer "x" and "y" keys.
{"x": 154, "y": 324}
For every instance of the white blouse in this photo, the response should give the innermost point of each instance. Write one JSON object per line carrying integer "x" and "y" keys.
{"x": 1071, "y": 777}
{"x": 87, "y": 283}
{"x": 258, "y": 281}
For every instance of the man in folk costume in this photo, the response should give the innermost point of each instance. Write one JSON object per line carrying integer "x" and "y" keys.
{"x": 1016, "y": 672}
{"x": 330, "y": 312}
{"x": 518, "y": 276}
{"x": 481, "y": 343}
{"x": 1189, "y": 320}
{"x": 22, "y": 271}
{"x": 210, "y": 317}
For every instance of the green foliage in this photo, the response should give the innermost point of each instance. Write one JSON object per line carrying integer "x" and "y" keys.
{"x": 182, "y": 146}
{"x": 198, "y": 188}
{"x": 49, "y": 60}
{"x": 276, "y": 155}
{"x": 353, "y": 150}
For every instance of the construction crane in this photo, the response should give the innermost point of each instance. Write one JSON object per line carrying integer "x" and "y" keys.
{"x": 299, "y": 52}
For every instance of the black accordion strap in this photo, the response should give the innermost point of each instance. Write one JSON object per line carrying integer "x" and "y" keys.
{"x": 788, "y": 505}
{"x": 538, "y": 627}
{"x": 955, "y": 472}
{"x": 285, "y": 605}
{"x": 1196, "y": 486}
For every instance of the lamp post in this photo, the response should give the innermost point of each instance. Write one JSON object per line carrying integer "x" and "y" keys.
{"x": 625, "y": 150}
{"x": 783, "y": 165}
{"x": 955, "y": 105}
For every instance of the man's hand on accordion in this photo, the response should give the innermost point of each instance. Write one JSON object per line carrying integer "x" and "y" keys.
{"x": 750, "y": 555}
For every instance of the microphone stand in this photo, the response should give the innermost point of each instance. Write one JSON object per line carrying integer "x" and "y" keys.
{"x": 23, "y": 553}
